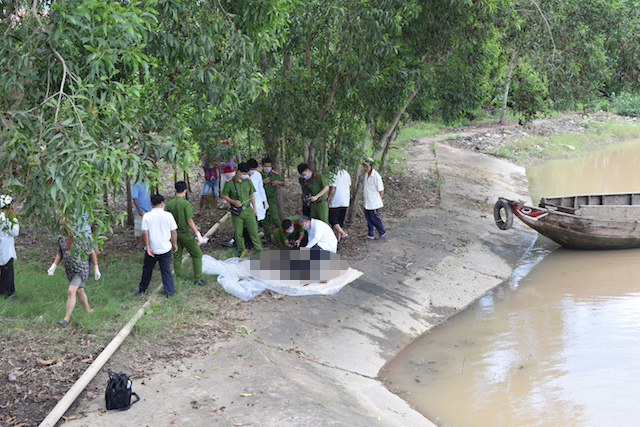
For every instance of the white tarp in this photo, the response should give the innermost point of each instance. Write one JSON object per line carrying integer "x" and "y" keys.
{"x": 235, "y": 277}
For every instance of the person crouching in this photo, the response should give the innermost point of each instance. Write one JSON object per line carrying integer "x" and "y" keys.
{"x": 320, "y": 234}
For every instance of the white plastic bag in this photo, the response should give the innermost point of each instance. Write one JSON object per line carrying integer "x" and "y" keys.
{"x": 235, "y": 277}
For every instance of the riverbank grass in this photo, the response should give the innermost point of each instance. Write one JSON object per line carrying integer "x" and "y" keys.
{"x": 529, "y": 151}
{"x": 396, "y": 163}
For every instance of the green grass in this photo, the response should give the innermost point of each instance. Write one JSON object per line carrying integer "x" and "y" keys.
{"x": 396, "y": 163}
{"x": 529, "y": 151}
{"x": 418, "y": 129}
{"x": 40, "y": 301}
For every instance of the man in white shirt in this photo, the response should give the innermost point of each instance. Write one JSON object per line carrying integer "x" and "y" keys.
{"x": 339, "y": 202}
{"x": 159, "y": 231}
{"x": 373, "y": 192}
{"x": 320, "y": 234}
{"x": 260, "y": 194}
{"x": 9, "y": 229}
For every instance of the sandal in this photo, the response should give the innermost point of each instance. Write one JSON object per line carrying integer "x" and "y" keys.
{"x": 63, "y": 323}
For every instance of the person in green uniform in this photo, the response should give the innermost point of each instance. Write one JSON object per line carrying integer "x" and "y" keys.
{"x": 291, "y": 235}
{"x": 182, "y": 211}
{"x": 238, "y": 191}
{"x": 271, "y": 180}
{"x": 318, "y": 187}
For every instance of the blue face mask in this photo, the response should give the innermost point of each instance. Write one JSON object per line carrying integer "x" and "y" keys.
{"x": 306, "y": 227}
{"x": 289, "y": 231}
{"x": 266, "y": 170}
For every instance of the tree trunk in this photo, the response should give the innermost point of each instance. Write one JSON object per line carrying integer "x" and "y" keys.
{"x": 310, "y": 154}
{"x": 385, "y": 153}
{"x": 186, "y": 179}
{"x": 249, "y": 137}
{"x": 129, "y": 202}
{"x": 387, "y": 138}
{"x": 357, "y": 182}
{"x": 506, "y": 89}
{"x": 279, "y": 194}
{"x": 105, "y": 196}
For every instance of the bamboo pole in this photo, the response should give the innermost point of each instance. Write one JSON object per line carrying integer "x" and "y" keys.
{"x": 71, "y": 395}
{"x": 215, "y": 226}
{"x": 209, "y": 233}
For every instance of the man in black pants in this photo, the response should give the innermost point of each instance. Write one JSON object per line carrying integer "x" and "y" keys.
{"x": 9, "y": 229}
{"x": 159, "y": 232}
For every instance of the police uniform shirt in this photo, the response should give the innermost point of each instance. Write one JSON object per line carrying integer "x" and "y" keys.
{"x": 315, "y": 185}
{"x": 269, "y": 188}
{"x": 241, "y": 191}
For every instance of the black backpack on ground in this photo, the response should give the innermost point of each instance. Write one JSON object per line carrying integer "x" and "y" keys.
{"x": 118, "y": 393}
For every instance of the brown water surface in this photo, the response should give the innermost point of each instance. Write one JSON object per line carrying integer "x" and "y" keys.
{"x": 559, "y": 345}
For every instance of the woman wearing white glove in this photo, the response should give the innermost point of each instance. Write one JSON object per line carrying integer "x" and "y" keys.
{"x": 94, "y": 259}
{"x": 77, "y": 268}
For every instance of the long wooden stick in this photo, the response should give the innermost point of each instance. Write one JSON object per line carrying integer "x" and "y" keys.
{"x": 215, "y": 226}
{"x": 209, "y": 233}
{"x": 71, "y": 395}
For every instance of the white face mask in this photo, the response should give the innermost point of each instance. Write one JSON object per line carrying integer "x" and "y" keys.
{"x": 243, "y": 176}
{"x": 266, "y": 170}
{"x": 307, "y": 176}
{"x": 306, "y": 227}
{"x": 289, "y": 231}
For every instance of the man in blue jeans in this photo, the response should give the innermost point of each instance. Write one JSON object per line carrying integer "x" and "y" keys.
{"x": 211, "y": 184}
{"x": 159, "y": 231}
{"x": 141, "y": 198}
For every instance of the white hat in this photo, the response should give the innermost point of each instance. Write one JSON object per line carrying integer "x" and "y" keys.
{"x": 5, "y": 201}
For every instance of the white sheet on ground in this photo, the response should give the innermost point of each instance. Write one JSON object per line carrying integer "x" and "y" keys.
{"x": 235, "y": 278}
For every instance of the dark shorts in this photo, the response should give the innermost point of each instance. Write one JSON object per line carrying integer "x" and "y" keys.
{"x": 336, "y": 216}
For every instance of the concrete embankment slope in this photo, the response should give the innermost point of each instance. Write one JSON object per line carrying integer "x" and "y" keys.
{"x": 313, "y": 361}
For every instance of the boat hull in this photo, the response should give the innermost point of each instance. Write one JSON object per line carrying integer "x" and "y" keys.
{"x": 577, "y": 232}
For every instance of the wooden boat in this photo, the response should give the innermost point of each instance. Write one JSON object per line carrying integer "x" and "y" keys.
{"x": 585, "y": 221}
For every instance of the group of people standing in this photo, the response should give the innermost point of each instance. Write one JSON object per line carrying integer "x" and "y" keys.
{"x": 251, "y": 195}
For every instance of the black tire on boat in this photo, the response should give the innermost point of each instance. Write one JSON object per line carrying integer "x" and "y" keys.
{"x": 503, "y": 224}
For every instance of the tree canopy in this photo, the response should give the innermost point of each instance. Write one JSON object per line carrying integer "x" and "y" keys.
{"x": 94, "y": 93}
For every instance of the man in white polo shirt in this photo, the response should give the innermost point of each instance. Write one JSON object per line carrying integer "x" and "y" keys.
{"x": 339, "y": 202}
{"x": 159, "y": 231}
{"x": 320, "y": 234}
{"x": 373, "y": 192}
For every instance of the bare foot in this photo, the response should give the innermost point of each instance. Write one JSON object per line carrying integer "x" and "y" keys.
{"x": 90, "y": 311}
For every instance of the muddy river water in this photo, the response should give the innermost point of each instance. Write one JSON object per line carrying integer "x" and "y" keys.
{"x": 558, "y": 345}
